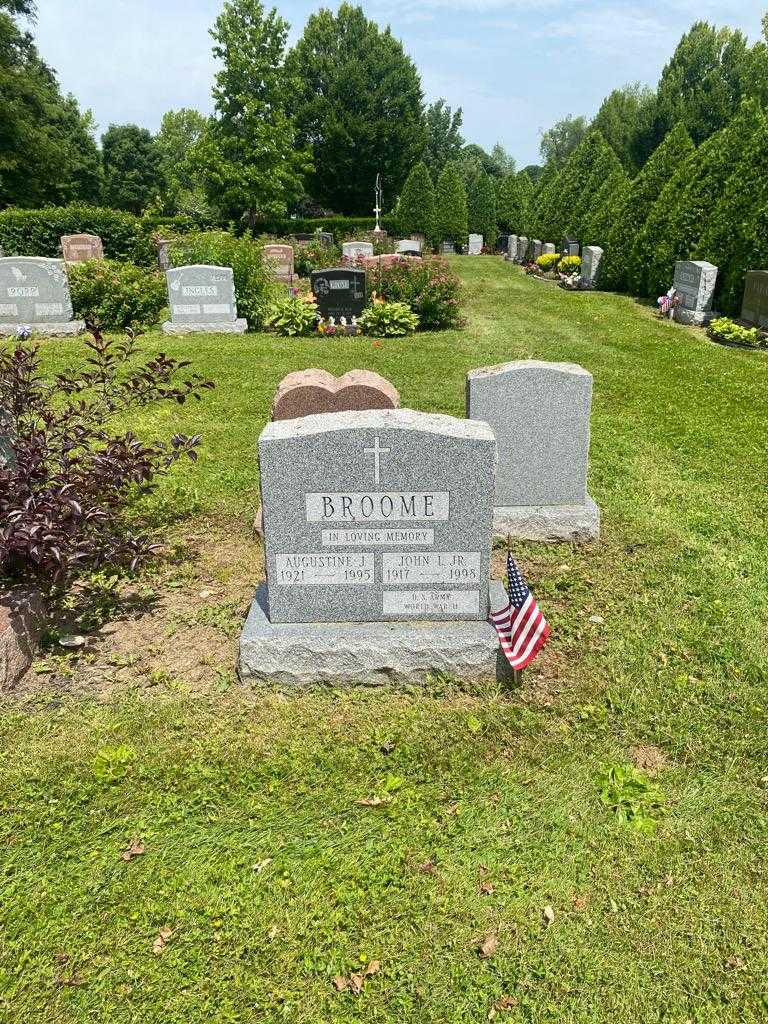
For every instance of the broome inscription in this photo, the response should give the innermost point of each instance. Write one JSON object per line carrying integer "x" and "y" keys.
{"x": 364, "y": 507}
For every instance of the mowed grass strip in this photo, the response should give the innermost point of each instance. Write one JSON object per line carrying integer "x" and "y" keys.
{"x": 292, "y": 839}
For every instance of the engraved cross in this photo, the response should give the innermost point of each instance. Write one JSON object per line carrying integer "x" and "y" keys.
{"x": 377, "y": 451}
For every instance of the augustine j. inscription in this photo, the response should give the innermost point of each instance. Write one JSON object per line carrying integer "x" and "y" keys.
{"x": 392, "y": 483}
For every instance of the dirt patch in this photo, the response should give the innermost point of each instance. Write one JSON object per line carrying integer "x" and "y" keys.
{"x": 648, "y": 759}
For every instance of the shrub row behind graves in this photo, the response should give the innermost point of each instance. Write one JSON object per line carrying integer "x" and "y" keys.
{"x": 340, "y": 226}
{"x": 38, "y": 232}
{"x": 428, "y": 286}
{"x": 117, "y": 295}
{"x": 254, "y": 286}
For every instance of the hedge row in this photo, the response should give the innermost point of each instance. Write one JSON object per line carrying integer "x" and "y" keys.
{"x": 125, "y": 236}
{"x": 340, "y": 226}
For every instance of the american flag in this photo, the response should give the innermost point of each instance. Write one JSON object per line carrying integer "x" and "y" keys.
{"x": 522, "y": 628}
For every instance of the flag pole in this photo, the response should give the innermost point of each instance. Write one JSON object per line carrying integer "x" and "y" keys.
{"x": 517, "y": 673}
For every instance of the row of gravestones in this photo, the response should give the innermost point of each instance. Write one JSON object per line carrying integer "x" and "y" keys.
{"x": 378, "y": 521}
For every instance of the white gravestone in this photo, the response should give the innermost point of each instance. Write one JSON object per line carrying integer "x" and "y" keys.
{"x": 357, "y": 250}
{"x": 591, "y": 257}
{"x": 410, "y": 246}
{"x": 548, "y": 249}
{"x": 202, "y": 299}
{"x": 377, "y": 529}
{"x": 34, "y": 293}
{"x": 540, "y": 414}
{"x": 694, "y": 283}
{"x": 475, "y": 245}
{"x": 511, "y": 247}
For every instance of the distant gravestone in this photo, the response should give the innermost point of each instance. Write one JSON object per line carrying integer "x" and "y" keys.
{"x": 549, "y": 248}
{"x": 339, "y": 291}
{"x": 475, "y": 245}
{"x": 754, "y": 308}
{"x": 202, "y": 299}
{"x": 34, "y": 293}
{"x": 281, "y": 258}
{"x": 309, "y": 392}
{"x": 536, "y": 248}
{"x": 540, "y": 414}
{"x": 7, "y": 456}
{"x": 522, "y": 249}
{"x": 694, "y": 284}
{"x": 591, "y": 257}
{"x": 512, "y": 247}
{"x": 502, "y": 242}
{"x": 79, "y": 248}
{"x": 356, "y": 250}
{"x": 303, "y": 239}
{"x": 410, "y": 246}
{"x": 377, "y": 529}
{"x": 164, "y": 253}
{"x": 325, "y": 238}
{"x": 570, "y": 246}
{"x": 448, "y": 247}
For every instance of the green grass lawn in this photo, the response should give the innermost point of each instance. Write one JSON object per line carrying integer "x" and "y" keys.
{"x": 263, "y": 875}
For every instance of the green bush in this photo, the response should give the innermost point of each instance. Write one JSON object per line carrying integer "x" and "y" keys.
{"x": 117, "y": 295}
{"x": 428, "y": 286}
{"x": 291, "y": 317}
{"x": 255, "y": 289}
{"x": 569, "y": 265}
{"x": 481, "y": 209}
{"x": 548, "y": 261}
{"x": 315, "y": 256}
{"x": 388, "y": 320}
{"x": 38, "y": 232}
{"x": 729, "y": 333}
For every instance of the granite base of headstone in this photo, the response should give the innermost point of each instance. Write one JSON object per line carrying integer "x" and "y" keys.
{"x": 540, "y": 415}
{"x": 202, "y": 301}
{"x": 34, "y": 294}
{"x": 754, "y": 307}
{"x": 377, "y": 546}
{"x": 694, "y": 283}
{"x": 475, "y": 245}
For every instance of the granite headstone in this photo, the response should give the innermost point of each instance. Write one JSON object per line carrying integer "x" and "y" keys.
{"x": 34, "y": 292}
{"x": 356, "y": 250}
{"x": 448, "y": 247}
{"x": 536, "y": 248}
{"x": 549, "y": 248}
{"x": 539, "y": 413}
{"x": 694, "y": 283}
{"x": 475, "y": 244}
{"x": 591, "y": 257}
{"x": 512, "y": 247}
{"x": 410, "y": 246}
{"x": 754, "y": 308}
{"x": 522, "y": 249}
{"x": 79, "y": 248}
{"x": 280, "y": 257}
{"x": 570, "y": 246}
{"x": 309, "y": 392}
{"x": 202, "y": 299}
{"x": 339, "y": 291}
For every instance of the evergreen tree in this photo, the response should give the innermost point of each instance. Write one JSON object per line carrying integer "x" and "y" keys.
{"x": 416, "y": 209}
{"x": 606, "y": 207}
{"x": 543, "y": 217}
{"x": 481, "y": 209}
{"x": 682, "y": 211}
{"x": 584, "y": 171}
{"x": 623, "y": 119}
{"x": 131, "y": 167}
{"x": 451, "y": 205}
{"x": 513, "y": 197}
{"x": 525, "y": 194}
{"x": 358, "y": 104}
{"x": 444, "y": 140}
{"x": 645, "y": 189}
{"x": 735, "y": 238}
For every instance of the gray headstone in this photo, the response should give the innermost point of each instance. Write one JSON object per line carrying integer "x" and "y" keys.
{"x": 164, "y": 253}
{"x": 570, "y": 247}
{"x": 79, "y": 248}
{"x": 202, "y": 298}
{"x": 339, "y": 291}
{"x": 34, "y": 292}
{"x": 591, "y": 257}
{"x": 754, "y": 308}
{"x": 512, "y": 247}
{"x": 539, "y": 413}
{"x": 522, "y": 249}
{"x": 7, "y": 457}
{"x": 475, "y": 244}
{"x": 325, "y": 238}
{"x": 536, "y": 248}
{"x": 549, "y": 248}
{"x": 410, "y": 246}
{"x": 377, "y": 515}
{"x": 448, "y": 247}
{"x": 356, "y": 250}
{"x": 694, "y": 283}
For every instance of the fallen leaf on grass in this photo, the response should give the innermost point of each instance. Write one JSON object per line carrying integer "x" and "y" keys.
{"x": 161, "y": 940}
{"x": 503, "y": 1004}
{"x": 372, "y": 801}
{"x": 597, "y": 619}
{"x": 488, "y": 946}
{"x": 136, "y": 849}
{"x": 75, "y": 981}
{"x": 486, "y": 888}
{"x": 340, "y": 983}
{"x": 355, "y": 981}
{"x": 549, "y": 916}
{"x": 259, "y": 866}
{"x": 428, "y": 867}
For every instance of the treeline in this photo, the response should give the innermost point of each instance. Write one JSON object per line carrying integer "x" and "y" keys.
{"x": 676, "y": 173}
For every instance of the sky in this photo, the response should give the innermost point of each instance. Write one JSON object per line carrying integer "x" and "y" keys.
{"x": 513, "y": 66}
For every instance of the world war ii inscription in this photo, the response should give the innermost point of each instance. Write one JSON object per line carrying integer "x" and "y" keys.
{"x": 383, "y": 514}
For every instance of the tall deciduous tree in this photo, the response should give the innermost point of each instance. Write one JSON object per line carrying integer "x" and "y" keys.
{"x": 358, "y": 104}
{"x": 248, "y": 158}
{"x": 416, "y": 209}
{"x": 180, "y": 133}
{"x": 451, "y": 205}
{"x": 618, "y": 269}
{"x": 481, "y": 208}
{"x": 559, "y": 141}
{"x": 131, "y": 167}
{"x": 444, "y": 141}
